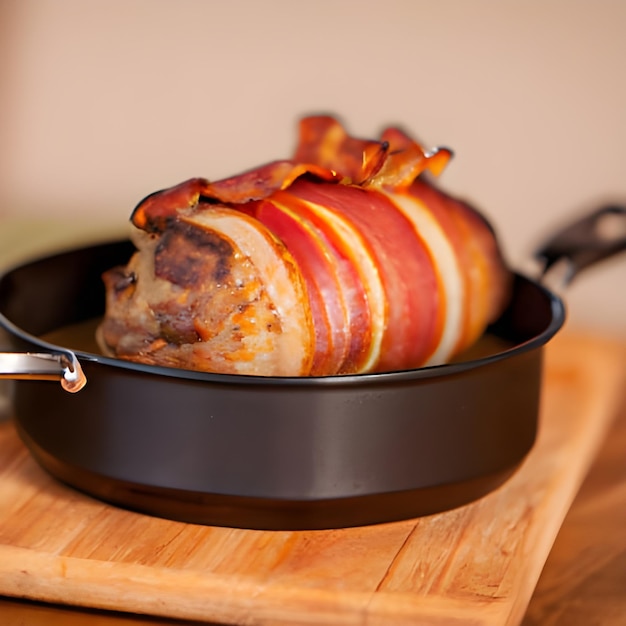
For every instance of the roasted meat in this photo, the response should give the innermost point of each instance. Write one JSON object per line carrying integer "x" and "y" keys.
{"x": 344, "y": 259}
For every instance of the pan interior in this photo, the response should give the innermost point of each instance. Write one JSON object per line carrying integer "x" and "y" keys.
{"x": 59, "y": 300}
{"x": 80, "y": 337}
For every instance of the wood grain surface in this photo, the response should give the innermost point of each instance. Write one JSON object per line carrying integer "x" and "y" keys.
{"x": 476, "y": 565}
{"x": 584, "y": 579}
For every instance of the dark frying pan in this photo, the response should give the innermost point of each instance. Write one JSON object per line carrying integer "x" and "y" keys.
{"x": 277, "y": 453}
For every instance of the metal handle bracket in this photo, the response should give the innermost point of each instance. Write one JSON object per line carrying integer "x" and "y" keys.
{"x": 64, "y": 367}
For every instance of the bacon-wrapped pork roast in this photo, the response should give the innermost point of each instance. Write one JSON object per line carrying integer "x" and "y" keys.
{"x": 343, "y": 259}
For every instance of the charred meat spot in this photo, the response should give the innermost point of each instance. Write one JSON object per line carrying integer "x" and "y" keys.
{"x": 208, "y": 200}
{"x": 120, "y": 281}
{"x": 189, "y": 256}
{"x": 125, "y": 280}
{"x": 177, "y": 327}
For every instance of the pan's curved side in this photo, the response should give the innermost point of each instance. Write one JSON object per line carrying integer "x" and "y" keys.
{"x": 286, "y": 457}
{"x": 274, "y": 454}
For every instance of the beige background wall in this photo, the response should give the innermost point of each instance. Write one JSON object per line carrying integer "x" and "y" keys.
{"x": 104, "y": 101}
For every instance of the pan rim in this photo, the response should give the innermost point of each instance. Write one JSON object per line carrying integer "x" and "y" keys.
{"x": 557, "y": 310}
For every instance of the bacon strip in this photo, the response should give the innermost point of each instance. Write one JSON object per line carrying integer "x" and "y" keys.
{"x": 342, "y": 259}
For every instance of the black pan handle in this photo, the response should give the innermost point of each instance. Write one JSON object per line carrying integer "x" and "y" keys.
{"x": 43, "y": 366}
{"x": 585, "y": 242}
